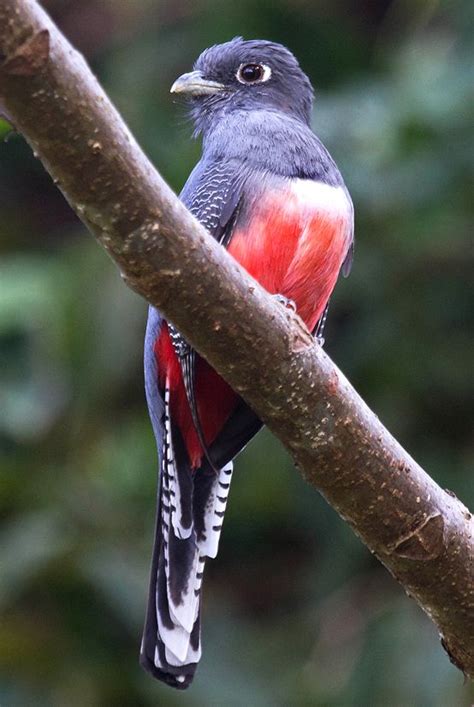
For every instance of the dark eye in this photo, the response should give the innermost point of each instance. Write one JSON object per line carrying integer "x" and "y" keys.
{"x": 253, "y": 73}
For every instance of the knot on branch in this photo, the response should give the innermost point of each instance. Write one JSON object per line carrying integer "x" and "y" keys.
{"x": 30, "y": 57}
{"x": 423, "y": 543}
{"x": 457, "y": 656}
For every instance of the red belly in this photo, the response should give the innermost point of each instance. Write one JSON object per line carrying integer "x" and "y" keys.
{"x": 291, "y": 250}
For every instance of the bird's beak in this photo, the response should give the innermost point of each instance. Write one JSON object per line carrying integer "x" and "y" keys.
{"x": 194, "y": 84}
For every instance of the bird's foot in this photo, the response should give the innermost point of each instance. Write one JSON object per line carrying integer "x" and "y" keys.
{"x": 290, "y": 304}
{"x": 287, "y": 303}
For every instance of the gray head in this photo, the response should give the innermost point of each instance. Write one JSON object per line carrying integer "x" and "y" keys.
{"x": 245, "y": 75}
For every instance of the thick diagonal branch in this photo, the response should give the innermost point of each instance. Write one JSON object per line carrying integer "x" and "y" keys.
{"x": 421, "y": 533}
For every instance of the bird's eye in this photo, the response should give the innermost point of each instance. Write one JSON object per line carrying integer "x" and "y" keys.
{"x": 253, "y": 73}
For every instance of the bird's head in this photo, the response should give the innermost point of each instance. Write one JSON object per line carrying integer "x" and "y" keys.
{"x": 245, "y": 75}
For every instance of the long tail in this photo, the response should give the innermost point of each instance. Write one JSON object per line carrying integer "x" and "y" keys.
{"x": 191, "y": 508}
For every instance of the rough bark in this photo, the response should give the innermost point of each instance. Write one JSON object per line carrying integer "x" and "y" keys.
{"x": 421, "y": 533}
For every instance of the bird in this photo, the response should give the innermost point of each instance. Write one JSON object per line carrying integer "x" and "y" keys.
{"x": 267, "y": 189}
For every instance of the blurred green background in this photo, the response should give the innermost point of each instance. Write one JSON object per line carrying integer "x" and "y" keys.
{"x": 296, "y": 610}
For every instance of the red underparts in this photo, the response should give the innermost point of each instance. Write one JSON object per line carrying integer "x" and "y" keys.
{"x": 292, "y": 250}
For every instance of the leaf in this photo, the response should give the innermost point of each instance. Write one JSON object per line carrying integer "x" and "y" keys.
{"x": 5, "y": 127}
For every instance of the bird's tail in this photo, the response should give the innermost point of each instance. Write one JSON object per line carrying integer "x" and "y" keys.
{"x": 191, "y": 508}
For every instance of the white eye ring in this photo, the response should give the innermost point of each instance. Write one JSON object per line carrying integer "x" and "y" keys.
{"x": 266, "y": 73}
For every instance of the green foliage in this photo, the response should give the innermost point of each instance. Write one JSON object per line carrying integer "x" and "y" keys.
{"x": 296, "y": 611}
{"x": 5, "y": 128}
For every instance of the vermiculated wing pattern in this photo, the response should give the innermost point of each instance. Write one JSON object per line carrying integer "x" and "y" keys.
{"x": 212, "y": 195}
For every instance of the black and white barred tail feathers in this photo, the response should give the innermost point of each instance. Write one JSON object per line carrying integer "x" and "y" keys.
{"x": 210, "y": 495}
{"x": 188, "y": 526}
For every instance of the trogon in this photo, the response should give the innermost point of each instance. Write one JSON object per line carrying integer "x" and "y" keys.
{"x": 267, "y": 189}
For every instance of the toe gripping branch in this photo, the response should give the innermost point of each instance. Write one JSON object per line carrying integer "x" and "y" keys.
{"x": 319, "y": 329}
{"x": 318, "y": 332}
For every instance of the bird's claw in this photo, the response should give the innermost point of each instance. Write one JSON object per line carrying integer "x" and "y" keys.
{"x": 287, "y": 303}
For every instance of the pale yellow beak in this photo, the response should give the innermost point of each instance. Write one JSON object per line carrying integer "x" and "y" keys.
{"x": 194, "y": 84}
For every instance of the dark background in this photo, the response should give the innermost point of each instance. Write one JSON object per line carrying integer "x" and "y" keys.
{"x": 296, "y": 610}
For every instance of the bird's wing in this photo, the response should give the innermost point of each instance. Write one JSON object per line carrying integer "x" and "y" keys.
{"x": 212, "y": 194}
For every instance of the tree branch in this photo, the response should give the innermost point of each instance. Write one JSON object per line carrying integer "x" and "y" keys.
{"x": 421, "y": 533}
